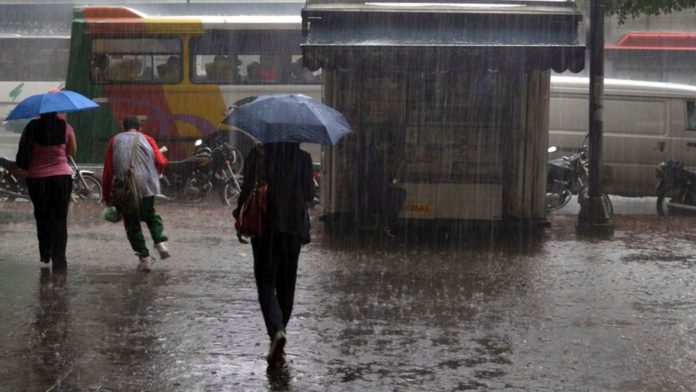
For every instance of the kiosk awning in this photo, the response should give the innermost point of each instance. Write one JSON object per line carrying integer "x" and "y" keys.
{"x": 513, "y": 35}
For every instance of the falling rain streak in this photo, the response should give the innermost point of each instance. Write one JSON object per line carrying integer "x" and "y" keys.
{"x": 435, "y": 261}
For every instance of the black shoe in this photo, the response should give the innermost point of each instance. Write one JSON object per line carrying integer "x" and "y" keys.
{"x": 388, "y": 232}
{"x": 275, "y": 353}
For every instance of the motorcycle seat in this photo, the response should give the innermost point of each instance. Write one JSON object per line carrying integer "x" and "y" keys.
{"x": 690, "y": 174}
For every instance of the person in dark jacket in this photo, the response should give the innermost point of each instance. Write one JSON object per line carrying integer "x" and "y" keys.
{"x": 288, "y": 171}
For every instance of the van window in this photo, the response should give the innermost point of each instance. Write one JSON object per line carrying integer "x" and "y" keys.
{"x": 691, "y": 115}
{"x": 622, "y": 115}
{"x": 635, "y": 117}
{"x": 568, "y": 114}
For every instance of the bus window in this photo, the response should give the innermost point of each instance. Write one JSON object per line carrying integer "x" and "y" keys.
{"x": 270, "y": 68}
{"x": 168, "y": 68}
{"x": 214, "y": 69}
{"x": 136, "y": 60}
{"x": 249, "y": 68}
{"x": 691, "y": 115}
{"x": 212, "y": 58}
{"x": 298, "y": 74}
{"x": 259, "y": 68}
{"x": 128, "y": 68}
{"x": 249, "y": 57}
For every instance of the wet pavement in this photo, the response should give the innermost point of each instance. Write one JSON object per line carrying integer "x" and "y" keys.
{"x": 553, "y": 313}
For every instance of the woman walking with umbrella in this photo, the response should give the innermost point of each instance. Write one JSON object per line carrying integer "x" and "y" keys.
{"x": 288, "y": 173}
{"x": 49, "y": 182}
{"x": 280, "y": 123}
{"x": 43, "y": 153}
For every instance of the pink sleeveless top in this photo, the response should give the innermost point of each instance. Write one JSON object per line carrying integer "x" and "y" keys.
{"x": 47, "y": 161}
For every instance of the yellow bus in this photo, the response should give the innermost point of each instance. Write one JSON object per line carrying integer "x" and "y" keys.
{"x": 178, "y": 74}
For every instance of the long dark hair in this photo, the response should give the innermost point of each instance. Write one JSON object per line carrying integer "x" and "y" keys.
{"x": 48, "y": 130}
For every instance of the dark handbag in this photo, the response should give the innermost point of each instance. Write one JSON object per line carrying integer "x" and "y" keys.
{"x": 23, "y": 158}
{"x": 252, "y": 220}
{"x": 253, "y": 215}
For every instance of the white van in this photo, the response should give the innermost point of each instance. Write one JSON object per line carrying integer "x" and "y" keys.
{"x": 645, "y": 123}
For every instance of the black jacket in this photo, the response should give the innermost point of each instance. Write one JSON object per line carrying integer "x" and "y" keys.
{"x": 288, "y": 171}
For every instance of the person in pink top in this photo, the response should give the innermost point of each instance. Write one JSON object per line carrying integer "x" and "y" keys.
{"x": 49, "y": 182}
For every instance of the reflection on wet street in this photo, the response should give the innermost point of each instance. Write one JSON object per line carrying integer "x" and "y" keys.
{"x": 558, "y": 313}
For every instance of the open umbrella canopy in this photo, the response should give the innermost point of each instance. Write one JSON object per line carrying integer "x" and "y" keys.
{"x": 290, "y": 118}
{"x": 64, "y": 101}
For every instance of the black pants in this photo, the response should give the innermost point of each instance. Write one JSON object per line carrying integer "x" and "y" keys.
{"x": 51, "y": 197}
{"x": 275, "y": 270}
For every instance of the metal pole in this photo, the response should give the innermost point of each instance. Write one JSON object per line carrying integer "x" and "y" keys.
{"x": 594, "y": 218}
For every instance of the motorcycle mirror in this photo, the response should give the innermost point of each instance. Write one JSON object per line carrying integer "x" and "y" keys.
{"x": 198, "y": 142}
{"x": 552, "y": 149}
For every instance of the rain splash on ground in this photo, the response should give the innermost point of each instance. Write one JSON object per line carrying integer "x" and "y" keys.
{"x": 552, "y": 312}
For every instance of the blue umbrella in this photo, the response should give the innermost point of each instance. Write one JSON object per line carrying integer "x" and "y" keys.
{"x": 64, "y": 101}
{"x": 290, "y": 118}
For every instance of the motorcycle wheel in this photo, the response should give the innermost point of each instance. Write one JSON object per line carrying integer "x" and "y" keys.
{"x": 199, "y": 195}
{"x": 555, "y": 202}
{"x": 607, "y": 204}
{"x": 664, "y": 206}
{"x": 4, "y": 184}
{"x": 88, "y": 191}
{"x": 230, "y": 195}
{"x": 605, "y": 200}
{"x": 238, "y": 164}
{"x": 6, "y": 197}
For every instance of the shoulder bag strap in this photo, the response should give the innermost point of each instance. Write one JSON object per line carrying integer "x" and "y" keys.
{"x": 134, "y": 151}
{"x": 260, "y": 172}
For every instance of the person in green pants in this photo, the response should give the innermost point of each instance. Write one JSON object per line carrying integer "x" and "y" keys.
{"x": 148, "y": 164}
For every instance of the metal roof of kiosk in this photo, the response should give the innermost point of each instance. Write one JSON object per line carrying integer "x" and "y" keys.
{"x": 533, "y": 35}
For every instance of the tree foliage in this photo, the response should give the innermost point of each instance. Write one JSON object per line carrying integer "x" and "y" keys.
{"x": 634, "y": 8}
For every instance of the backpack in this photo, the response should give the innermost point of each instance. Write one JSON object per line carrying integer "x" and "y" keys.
{"x": 124, "y": 190}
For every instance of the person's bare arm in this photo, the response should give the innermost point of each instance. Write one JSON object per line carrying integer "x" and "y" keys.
{"x": 71, "y": 147}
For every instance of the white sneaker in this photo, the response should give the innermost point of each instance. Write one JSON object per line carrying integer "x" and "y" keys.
{"x": 162, "y": 250}
{"x": 146, "y": 263}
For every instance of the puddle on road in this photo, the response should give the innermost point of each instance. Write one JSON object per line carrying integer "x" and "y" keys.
{"x": 560, "y": 315}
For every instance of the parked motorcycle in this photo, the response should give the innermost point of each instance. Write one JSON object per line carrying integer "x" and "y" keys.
{"x": 86, "y": 186}
{"x": 192, "y": 179}
{"x": 676, "y": 188}
{"x": 567, "y": 176}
